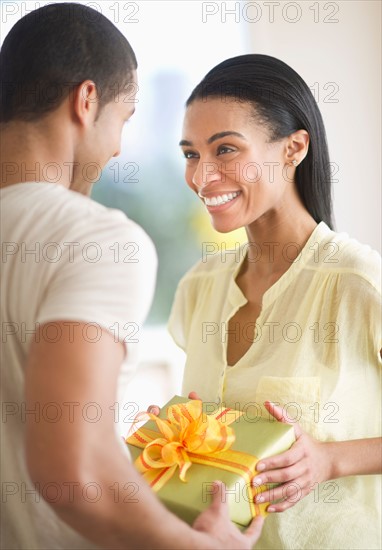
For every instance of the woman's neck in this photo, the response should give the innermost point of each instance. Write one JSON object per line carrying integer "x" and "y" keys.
{"x": 275, "y": 240}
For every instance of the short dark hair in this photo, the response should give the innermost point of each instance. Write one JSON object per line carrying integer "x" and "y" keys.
{"x": 52, "y": 50}
{"x": 282, "y": 100}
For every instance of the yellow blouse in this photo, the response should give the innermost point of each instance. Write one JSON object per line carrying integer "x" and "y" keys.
{"x": 316, "y": 351}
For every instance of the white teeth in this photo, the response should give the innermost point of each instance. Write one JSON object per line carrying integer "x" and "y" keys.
{"x": 220, "y": 199}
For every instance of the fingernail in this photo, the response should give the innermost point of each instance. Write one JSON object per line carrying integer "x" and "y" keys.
{"x": 257, "y": 481}
{"x": 260, "y": 467}
{"x": 271, "y": 509}
{"x": 259, "y": 499}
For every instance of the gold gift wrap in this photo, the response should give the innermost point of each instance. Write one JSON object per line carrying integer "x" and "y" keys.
{"x": 228, "y": 451}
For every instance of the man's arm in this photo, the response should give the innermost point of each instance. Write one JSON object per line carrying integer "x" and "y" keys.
{"x": 80, "y": 452}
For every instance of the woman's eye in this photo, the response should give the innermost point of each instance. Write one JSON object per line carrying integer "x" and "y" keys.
{"x": 224, "y": 149}
{"x": 190, "y": 155}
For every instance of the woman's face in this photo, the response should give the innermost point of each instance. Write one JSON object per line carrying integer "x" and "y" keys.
{"x": 230, "y": 164}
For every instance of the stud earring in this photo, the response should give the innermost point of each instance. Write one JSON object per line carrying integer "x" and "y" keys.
{"x": 294, "y": 162}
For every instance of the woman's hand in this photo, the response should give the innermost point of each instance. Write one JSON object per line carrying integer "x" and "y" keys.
{"x": 193, "y": 395}
{"x": 154, "y": 409}
{"x": 298, "y": 470}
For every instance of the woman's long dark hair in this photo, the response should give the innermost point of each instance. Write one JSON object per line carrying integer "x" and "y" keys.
{"x": 282, "y": 99}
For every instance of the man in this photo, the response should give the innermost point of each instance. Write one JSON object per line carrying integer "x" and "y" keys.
{"x": 69, "y": 301}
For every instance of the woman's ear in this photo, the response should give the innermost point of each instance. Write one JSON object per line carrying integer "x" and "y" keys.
{"x": 86, "y": 102}
{"x": 297, "y": 146}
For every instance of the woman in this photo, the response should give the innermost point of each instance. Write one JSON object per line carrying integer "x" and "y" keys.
{"x": 293, "y": 317}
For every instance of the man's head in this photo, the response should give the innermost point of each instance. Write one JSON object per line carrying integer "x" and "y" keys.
{"x": 52, "y": 50}
{"x": 68, "y": 85}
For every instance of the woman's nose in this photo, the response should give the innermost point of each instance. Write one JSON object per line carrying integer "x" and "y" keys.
{"x": 205, "y": 172}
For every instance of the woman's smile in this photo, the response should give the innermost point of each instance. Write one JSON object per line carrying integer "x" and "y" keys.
{"x": 216, "y": 202}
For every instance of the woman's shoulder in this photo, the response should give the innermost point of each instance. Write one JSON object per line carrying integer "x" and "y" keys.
{"x": 219, "y": 263}
{"x": 344, "y": 254}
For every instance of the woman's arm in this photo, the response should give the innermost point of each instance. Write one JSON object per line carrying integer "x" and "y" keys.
{"x": 310, "y": 461}
{"x": 356, "y": 457}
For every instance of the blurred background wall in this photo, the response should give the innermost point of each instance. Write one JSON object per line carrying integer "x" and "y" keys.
{"x": 334, "y": 46}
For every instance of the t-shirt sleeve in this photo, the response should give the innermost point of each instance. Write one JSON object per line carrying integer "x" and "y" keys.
{"x": 106, "y": 279}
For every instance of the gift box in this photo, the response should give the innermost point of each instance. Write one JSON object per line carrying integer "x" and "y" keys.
{"x": 191, "y": 444}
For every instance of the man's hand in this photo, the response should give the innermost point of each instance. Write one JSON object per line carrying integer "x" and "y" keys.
{"x": 215, "y": 521}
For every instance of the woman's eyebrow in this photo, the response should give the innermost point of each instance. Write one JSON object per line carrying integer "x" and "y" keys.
{"x": 219, "y": 135}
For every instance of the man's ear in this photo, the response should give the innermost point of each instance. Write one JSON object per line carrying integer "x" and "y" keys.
{"x": 86, "y": 102}
{"x": 297, "y": 146}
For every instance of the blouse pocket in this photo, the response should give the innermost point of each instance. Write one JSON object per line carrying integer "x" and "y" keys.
{"x": 300, "y": 397}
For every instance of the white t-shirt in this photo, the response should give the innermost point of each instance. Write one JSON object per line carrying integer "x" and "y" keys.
{"x": 64, "y": 257}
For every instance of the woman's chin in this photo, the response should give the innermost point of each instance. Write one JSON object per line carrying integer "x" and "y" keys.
{"x": 222, "y": 227}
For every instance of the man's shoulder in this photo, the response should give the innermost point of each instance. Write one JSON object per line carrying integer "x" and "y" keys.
{"x": 55, "y": 208}
{"x": 52, "y": 215}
